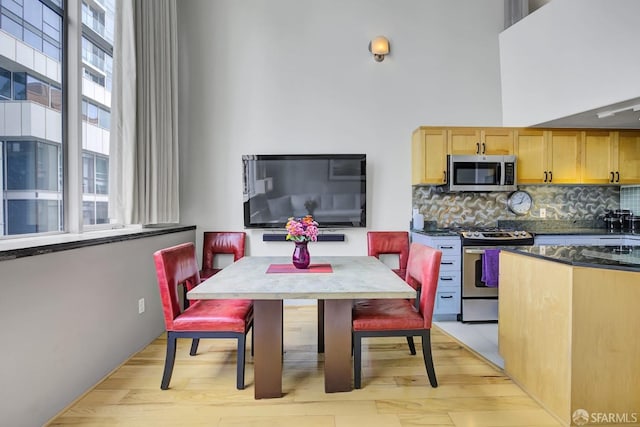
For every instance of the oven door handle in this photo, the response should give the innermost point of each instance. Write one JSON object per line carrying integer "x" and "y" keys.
{"x": 474, "y": 251}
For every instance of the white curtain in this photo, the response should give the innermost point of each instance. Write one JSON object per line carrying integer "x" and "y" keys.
{"x": 143, "y": 159}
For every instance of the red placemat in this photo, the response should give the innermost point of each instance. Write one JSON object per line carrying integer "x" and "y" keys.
{"x": 290, "y": 268}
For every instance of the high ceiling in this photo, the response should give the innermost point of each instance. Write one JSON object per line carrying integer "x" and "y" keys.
{"x": 623, "y": 115}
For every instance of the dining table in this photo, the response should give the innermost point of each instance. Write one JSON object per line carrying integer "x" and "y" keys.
{"x": 336, "y": 281}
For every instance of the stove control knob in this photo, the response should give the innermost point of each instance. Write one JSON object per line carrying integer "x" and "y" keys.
{"x": 476, "y": 234}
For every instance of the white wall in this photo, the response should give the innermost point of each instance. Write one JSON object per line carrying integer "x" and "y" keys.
{"x": 71, "y": 317}
{"x": 568, "y": 57}
{"x": 295, "y": 76}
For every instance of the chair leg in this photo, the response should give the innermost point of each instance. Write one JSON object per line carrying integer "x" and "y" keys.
{"x": 194, "y": 346}
{"x": 169, "y": 361}
{"x": 242, "y": 340}
{"x": 412, "y": 346}
{"x": 428, "y": 360}
{"x": 252, "y": 341}
{"x": 357, "y": 361}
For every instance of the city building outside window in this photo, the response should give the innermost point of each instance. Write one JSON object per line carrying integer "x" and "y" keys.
{"x": 31, "y": 154}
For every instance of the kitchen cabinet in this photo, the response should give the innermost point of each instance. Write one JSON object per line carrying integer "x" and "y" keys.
{"x": 569, "y": 334}
{"x": 548, "y": 156}
{"x": 447, "y": 301}
{"x": 544, "y": 156}
{"x": 628, "y": 157}
{"x": 599, "y": 157}
{"x": 429, "y": 156}
{"x": 611, "y": 157}
{"x": 489, "y": 141}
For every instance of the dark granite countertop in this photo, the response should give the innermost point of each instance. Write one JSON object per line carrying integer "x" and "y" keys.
{"x": 609, "y": 257}
{"x": 536, "y": 227}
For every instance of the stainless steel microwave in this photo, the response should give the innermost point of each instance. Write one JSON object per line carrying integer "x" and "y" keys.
{"x": 481, "y": 173}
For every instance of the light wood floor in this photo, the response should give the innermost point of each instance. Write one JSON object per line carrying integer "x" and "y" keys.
{"x": 395, "y": 390}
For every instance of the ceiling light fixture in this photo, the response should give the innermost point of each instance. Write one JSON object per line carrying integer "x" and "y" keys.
{"x": 379, "y": 46}
{"x": 610, "y": 113}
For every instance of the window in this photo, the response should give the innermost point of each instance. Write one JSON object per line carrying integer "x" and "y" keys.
{"x": 102, "y": 175}
{"x": 5, "y": 83}
{"x": 37, "y": 91}
{"x": 31, "y": 166}
{"x": 88, "y": 174}
{"x": 21, "y": 162}
{"x": 19, "y": 85}
{"x": 35, "y": 23}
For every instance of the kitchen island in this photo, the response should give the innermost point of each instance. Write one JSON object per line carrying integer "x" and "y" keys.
{"x": 568, "y": 327}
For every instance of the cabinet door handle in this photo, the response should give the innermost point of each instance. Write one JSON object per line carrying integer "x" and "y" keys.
{"x": 484, "y": 148}
{"x": 617, "y": 176}
{"x": 446, "y": 278}
{"x": 477, "y": 148}
{"x": 550, "y": 176}
{"x": 545, "y": 176}
{"x": 446, "y": 263}
{"x": 444, "y": 176}
{"x": 446, "y": 247}
{"x": 446, "y": 296}
{"x": 611, "y": 180}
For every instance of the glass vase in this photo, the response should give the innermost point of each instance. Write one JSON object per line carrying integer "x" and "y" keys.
{"x": 301, "y": 257}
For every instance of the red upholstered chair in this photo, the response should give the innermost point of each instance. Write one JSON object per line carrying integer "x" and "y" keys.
{"x": 220, "y": 242}
{"x": 399, "y": 317}
{"x": 202, "y": 319}
{"x": 390, "y": 242}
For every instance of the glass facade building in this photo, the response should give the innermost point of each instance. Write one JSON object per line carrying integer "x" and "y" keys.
{"x": 31, "y": 113}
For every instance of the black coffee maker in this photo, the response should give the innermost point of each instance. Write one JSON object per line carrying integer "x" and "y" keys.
{"x": 617, "y": 220}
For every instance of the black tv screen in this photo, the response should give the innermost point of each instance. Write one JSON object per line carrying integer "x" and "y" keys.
{"x": 331, "y": 187}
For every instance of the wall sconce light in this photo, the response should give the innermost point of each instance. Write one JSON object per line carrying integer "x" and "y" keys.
{"x": 379, "y": 46}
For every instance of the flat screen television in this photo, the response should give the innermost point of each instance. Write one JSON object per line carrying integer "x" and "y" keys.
{"x": 331, "y": 187}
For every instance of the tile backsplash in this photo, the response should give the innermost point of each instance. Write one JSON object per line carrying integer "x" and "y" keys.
{"x": 485, "y": 209}
{"x": 630, "y": 198}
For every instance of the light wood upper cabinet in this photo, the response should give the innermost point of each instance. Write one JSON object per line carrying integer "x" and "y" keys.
{"x": 548, "y": 156}
{"x": 628, "y": 157}
{"x": 429, "y": 156}
{"x": 544, "y": 156}
{"x": 499, "y": 141}
{"x": 531, "y": 156}
{"x": 565, "y": 148}
{"x": 599, "y": 157}
{"x": 464, "y": 141}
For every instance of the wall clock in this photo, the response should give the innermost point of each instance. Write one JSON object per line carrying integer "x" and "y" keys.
{"x": 520, "y": 202}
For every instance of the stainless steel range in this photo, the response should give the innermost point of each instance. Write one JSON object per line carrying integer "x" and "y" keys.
{"x": 479, "y": 300}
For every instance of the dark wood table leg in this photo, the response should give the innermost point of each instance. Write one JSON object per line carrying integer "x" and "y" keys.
{"x": 337, "y": 355}
{"x": 267, "y": 348}
{"x": 320, "y": 326}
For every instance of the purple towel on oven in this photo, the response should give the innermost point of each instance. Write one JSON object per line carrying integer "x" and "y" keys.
{"x": 490, "y": 267}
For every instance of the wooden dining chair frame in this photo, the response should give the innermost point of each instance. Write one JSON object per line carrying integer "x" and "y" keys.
{"x": 424, "y": 272}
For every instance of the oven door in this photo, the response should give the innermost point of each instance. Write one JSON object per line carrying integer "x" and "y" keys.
{"x": 479, "y": 303}
{"x": 472, "y": 284}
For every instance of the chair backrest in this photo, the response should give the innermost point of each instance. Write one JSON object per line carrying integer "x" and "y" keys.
{"x": 423, "y": 270}
{"x": 222, "y": 242}
{"x": 175, "y": 266}
{"x": 390, "y": 242}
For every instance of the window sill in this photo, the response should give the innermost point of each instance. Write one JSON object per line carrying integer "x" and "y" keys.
{"x": 39, "y": 245}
